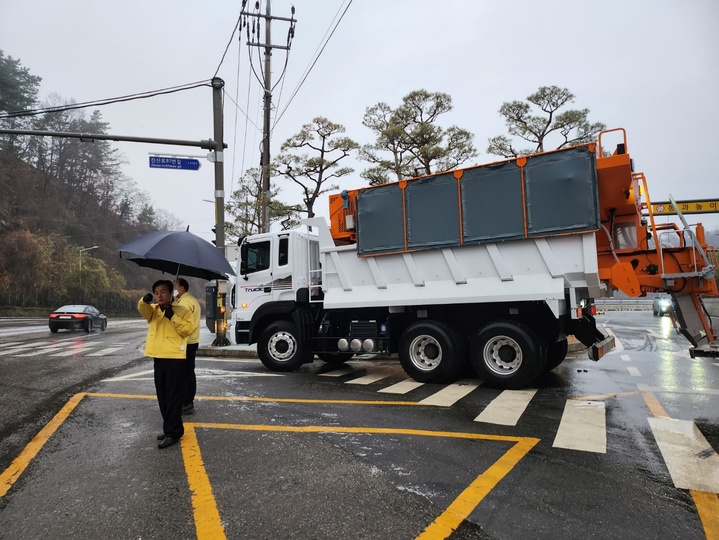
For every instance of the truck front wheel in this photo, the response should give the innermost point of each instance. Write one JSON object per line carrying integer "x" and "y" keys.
{"x": 506, "y": 354}
{"x": 431, "y": 352}
{"x": 279, "y": 347}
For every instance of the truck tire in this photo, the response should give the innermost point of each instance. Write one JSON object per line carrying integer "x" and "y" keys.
{"x": 335, "y": 358}
{"x": 506, "y": 354}
{"x": 279, "y": 348}
{"x": 431, "y": 352}
{"x": 556, "y": 353}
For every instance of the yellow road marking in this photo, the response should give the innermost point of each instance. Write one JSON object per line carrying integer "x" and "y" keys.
{"x": 270, "y": 400}
{"x": 207, "y": 517}
{"x": 653, "y": 403}
{"x": 708, "y": 506}
{"x": 707, "y": 503}
{"x": 10, "y": 475}
{"x": 456, "y": 512}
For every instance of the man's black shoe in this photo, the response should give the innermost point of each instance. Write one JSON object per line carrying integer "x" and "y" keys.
{"x": 160, "y": 436}
{"x": 167, "y": 441}
{"x": 188, "y": 409}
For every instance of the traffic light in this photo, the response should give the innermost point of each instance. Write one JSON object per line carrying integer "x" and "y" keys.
{"x": 214, "y": 231}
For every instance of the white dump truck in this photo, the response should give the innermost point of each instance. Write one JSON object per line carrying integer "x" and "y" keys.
{"x": 486, "y": 269}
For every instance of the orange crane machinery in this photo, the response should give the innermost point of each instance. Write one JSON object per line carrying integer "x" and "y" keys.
{"x": 637, "y": 256}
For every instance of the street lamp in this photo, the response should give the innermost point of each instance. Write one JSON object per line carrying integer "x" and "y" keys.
{"x": 81, "y": 250}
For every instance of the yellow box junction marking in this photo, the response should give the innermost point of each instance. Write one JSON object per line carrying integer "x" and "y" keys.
{"x": 442, "y": 527}
{"x": 208, "y": 524}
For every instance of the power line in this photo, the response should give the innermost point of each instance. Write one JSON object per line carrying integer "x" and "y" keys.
{"x": 292, "y": 97}
{"x": 108, "y": 101}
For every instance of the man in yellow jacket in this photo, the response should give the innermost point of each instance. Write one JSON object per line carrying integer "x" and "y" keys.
{"x": 185, "y": 298}
{"x": 167, "y": 332}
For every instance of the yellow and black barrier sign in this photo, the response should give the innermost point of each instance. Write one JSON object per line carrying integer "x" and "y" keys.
{"x": 703, "y": 206}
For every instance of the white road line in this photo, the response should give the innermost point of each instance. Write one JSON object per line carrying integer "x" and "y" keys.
{"x": 678, "y": 390}
{"x": 507, "y": 407}
{"x": 339, "y": 372}
{"x": 374, "y": 376}
{"x": 402, "y": 387}
{"x": 716, "y": 363}
{"x": 451, "y": 394}
{"x": 74, "y": 350}
{"x": 41, "y": 350}
{"x": 583, "y": 427}
{"x": 13, "y": 350}
{"x": 131, "y": 376}
{"x": 103, "y": 352}
{"x": 618, "y": 347}
{"x": 634, "y": 372}
{"x": 625, "y": 358}
{"x": 692, "y": 462}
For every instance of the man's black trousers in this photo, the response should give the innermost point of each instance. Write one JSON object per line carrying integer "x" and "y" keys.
{"x": 169, "y": 385}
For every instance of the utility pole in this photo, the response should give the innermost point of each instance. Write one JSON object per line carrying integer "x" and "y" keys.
{"x": 268, "y": 46}
{"x": 219, "y": 159}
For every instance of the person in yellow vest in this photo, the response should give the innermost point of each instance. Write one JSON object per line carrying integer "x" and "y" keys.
{"x": 167, "y": 332}
{"x": 184, "y": 298}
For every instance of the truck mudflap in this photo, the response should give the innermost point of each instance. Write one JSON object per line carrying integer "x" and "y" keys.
{"x": 600, "y": 348}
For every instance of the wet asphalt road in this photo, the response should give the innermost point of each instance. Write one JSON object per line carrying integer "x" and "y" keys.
{"x": 327, "y": 454}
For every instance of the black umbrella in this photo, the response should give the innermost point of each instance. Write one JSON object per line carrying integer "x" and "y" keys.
{"x": 178, "y": 253}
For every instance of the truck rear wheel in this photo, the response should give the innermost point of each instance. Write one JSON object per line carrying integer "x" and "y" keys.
{"x": 431, "y": 352}
{"x": 279, "y": 347}
{"x": 556, "y": 353}
{"x": 506, "y": 354}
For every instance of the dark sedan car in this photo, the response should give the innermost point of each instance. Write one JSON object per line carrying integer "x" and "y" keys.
{"x": 72, "y": 317}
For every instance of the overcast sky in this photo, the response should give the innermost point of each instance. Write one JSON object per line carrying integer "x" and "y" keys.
{"x": 649, "y": 66}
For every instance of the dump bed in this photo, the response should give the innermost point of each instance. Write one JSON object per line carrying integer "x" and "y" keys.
{"x": 542, "y": 269}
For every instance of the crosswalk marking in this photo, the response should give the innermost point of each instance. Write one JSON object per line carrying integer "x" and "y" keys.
{"x": 583, "y": 427}
{"x": 401, "y": 387}
{"x": 13, "y": 350}
{"x": 625, "y": 358}
{"x": 74, "y": 350}
{"x": 103, "y": 352}
{"x": 634, "y": 372}
{"x": 507, "y": 408}
{"x": 41, "y": 350}
{"x": 691, "y": 460}
{"x": 374, "y": 376}
{"x": 339, "y": 372}
{"x": 451, "y": 394}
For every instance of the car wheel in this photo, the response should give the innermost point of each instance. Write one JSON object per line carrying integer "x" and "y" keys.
{"x": 507, "y": 354}
{"x": 53, "y": 329}
{"x": 88, "y": 326}
{"x": 432, "y": 352}
{"x": 279, "y": 347}
{"x": 103, "y": 326}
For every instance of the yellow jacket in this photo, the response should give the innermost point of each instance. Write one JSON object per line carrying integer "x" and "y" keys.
{"x": 191, "y": 303}
{"x": 166, "y": 338}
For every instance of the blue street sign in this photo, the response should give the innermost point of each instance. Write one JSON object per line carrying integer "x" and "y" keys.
{"x": 157, "y": 162}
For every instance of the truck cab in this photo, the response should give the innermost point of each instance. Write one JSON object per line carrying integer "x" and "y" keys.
{"x": 275, "y": 271}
